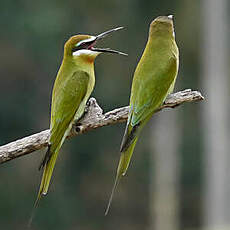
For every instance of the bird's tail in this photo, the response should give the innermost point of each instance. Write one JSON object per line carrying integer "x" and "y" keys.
{"x": 48, "y": 165}
{"x": 47, "y": 173}
{"x": 122, "y": 168}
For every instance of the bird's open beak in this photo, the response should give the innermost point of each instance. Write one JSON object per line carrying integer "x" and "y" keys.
{"x": 106, "y": 50}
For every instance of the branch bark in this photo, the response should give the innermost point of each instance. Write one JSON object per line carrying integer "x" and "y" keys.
{"x": 93, "y": 118}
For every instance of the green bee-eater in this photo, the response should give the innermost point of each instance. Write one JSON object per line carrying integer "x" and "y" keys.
{"x": 153, "y": 80}
{"x": 73, "y": 85}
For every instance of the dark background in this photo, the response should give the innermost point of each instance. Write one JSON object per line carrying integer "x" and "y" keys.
{"x": 31, "y": 42}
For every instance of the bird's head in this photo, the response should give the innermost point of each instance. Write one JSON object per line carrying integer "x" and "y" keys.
{"x": 83, "y": 45}
{"x": 162, "y": 25}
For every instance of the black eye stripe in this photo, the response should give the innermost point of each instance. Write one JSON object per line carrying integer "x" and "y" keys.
{"x": 82, "y": 46}
{"x": 76, "y": 48}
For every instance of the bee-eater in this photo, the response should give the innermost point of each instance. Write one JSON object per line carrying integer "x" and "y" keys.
{"x": 73, "y": 85}
{"x": 153, "y": 80}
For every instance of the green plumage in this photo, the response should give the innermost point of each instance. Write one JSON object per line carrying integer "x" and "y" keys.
{"x": 73, "y": 85}
{"x": 153, "y": 80}
{"x": 69, "y": 99}
{"x": 72, "y": 88}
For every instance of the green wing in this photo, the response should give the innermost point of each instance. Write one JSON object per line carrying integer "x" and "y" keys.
{"x": 150, "y": 90}
{"x": 65, "y": 103}
{"x": 68, "y": 94}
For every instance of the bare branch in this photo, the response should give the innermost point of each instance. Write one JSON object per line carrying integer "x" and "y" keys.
{"x": 94, "y": 118}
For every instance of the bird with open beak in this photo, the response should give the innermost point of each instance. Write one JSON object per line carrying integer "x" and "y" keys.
{"x": 72, "y": 88}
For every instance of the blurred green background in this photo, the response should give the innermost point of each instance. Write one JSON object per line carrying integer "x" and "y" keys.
{"x": 31, "y": 42}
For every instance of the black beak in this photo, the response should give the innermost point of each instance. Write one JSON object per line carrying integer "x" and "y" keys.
{"x": 106, "y": 33}
{"x": 107, "y": 50}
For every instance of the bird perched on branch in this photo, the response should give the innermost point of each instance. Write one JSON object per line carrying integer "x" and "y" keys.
{"x": 73, "y": 85}
{"x": 153, "y": 80}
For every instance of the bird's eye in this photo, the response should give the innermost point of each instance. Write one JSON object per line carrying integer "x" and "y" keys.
{"x": 79, "y": 46}
{"x": 84, "y": 44}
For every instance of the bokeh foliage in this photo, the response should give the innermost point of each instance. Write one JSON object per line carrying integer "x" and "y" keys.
{"x": 31, "y": 44}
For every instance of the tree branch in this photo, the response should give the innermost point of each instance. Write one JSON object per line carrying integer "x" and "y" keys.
{"x": 94, "y": 118}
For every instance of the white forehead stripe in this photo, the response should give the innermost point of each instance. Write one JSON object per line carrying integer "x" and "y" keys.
{"x": 170, "y": 16}
{"x": 84, "y": 52}
{"x": 92, "y": 38}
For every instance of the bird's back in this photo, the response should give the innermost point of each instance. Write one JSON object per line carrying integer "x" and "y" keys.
{"x": 155, "y": 73}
